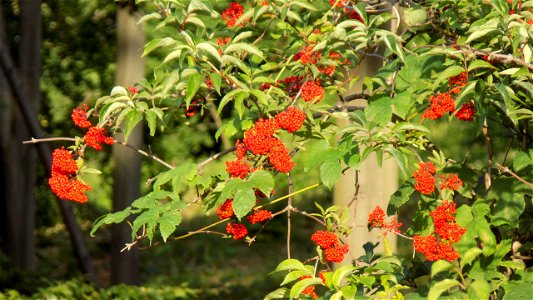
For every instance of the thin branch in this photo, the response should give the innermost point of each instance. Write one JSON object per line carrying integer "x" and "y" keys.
{"x": 304, "y": 213}
{"x": 202, "y": 165}
{"x": 289, "y": 206}
{"x": 508, "y": 171}
{"x": 488, "y": 174}
{"x": 149, "y": 155}
{"x": 45, "y": 140}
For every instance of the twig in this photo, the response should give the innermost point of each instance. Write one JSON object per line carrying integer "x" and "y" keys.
{"x": 296, "y": 210}
{"x": 201, "y": 165}
{"x": 35, "y": 141}
{"x": 149, "y": 155}
{"x": 289, "y": 206}
{"x": 488, "y": 174}
{"x": 508, "y": 171}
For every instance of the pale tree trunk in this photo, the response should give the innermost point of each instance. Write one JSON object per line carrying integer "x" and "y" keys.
{"x": 361, "y": 191}
{"x": 19, "y": 161}
{"x": 127, "y": 163}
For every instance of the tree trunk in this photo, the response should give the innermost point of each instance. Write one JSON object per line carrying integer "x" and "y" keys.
{"x": 19, "y": 161}
{"x": 126, "y": 174}
{"x": 368, "y": 187}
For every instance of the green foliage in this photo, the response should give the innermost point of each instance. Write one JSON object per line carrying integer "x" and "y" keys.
{"x": 255, "y": 66}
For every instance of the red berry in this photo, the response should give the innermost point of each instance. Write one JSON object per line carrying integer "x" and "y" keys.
{"x": 336, "y": 253}
{"x": 232, "y": 14}
{"x": 238, "y": 168}
{"x": 312, "y": 91}
{"x": 259, "y": 215}
{"x": 95, "y": 136}
{"x": 325, "y": 239}
{"x": 226, "y": 210}
{"x": 237, "y": 230}
{"x": 79, "y": 116}
{"x": 291, "y": 119}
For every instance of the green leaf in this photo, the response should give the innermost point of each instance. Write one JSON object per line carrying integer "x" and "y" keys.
{"x": 314, "y": 153}
{"x": 244, "y": 47}
{"x": 340, "y": 275}
{"x": 148, "y": 217}
{"x": 207, "y": 47}
{"x": 216, "y": 80}
{"x": 229, "y": 189}
{"x": 118, "y": 91}
{"x": 379, "y": 111}
{"x": 292, "y": 276}
{"x": 522, "y": 160}
{"x": 400, "y": 159}
{"x": 156, "y": 43}
{"x": 262, "y": 180}
{"x": 281, "y": 293}
{"x": 168, "y": 223}
{"x": 115, "y": 218}
{"x": 442, "y": 286}
{"x": 132, "y": 119}
{"x": 479, "y": 64}
{"x": 290, "y": 264}
{"x": 449, "y": 72}
{"x": 368, "y": 281}
{"x": 184, "y": 171}
{"x": 150, "y": 200}
{"x": 243, "y": 201}
{"x": 479, "y": 34}
{"x": 400, "y": 197}
{"x": 469, "y": 256}
{"x": 479, "y": 289}
{"x": 151, "y": 119}
{"x": 522, "y": 290}
{"x": 193, "y": 84}
{"x": 508, "y": 194}
{"x": 330, "y": 172}
{"x": 441, "y": 266}
{"x": 227, "y": 98}
{"x": 301, "y": 285}
{"x": 261, "y": 96}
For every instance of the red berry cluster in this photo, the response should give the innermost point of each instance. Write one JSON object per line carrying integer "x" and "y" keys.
{"x": 444, "y": 103}
{"x": 260, "y": 140}
{"x": 79, "y": 116}
{"x": 466, "y": 112}
{"x": 448, "y": 233}
{"x": 95, "y": 137}
{"x": 310, "y": 290}
{"x": 307, "y": 56}
{"x": 347, "y": 10}
{"x": 450, "y": 181}
{"x": 63, "y": 181}
{"x": 226, "y": 210}
{"x": 312, "y": 91}
{"x": 329, "y": 242}
{"x": 232, "y": 14}
{"x": 259, "y": 215}
{"x": 292, "y": 84}
{"x": 238, "y": 168}
{"x": 425, "y": 181}
{"x": 291, "y": 119}
{"x": 237, "y": 230}
{"x": 133, "y": 90}
{"x": 193, "y": 107}
{"x": 444, "y": 222}
{"x": 376, "y": 219}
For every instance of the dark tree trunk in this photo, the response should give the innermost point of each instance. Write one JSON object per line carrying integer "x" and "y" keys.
{"x": 126, "y": 173}
{"x": 19, "y": 161}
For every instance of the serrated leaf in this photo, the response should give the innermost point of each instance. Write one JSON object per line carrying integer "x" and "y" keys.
{"x": 301, "y": 285}
{"x": 479, "y": 64}
{"x": 479, "y": 289}
{"x": 207, "y": 47}
{"x": 442, "y": 286}
{"x": 228, "y": 97}
{"x": 522, "y": 160}
{"x": 151, "y": 119}
{"x": 118, "y": 91}
{"x": 243, "y": 201}
{"x": 292, "y": 276}
{"x": 479, "y": 34}
{"x": 379, "y": 111}
{"x": 216, "y": 80}
{"x": 116, "y": 217}
{"x": 469, "y": 256}
{"x": 340, "y": 275}
{"x": 262, "y": 180}
{"x": 261, "y": 96}
{"x": 441, "y": 266}
{"x": 330, "y": 172}
{"x": 244, "y": 47}
{"x": 290, "y": 264}
{"x": 314, "y": 152}
{"x": 156, "y": 43}
{"x": 400, "y": 197}
{"x": 168, "y": 223}
{"x": 132, "y": 119}
{"x": 148, "y": 217}
{"x": 193, "y": 84}
{"x": 509, "y": 198}
{"x": 281, "y": 293}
